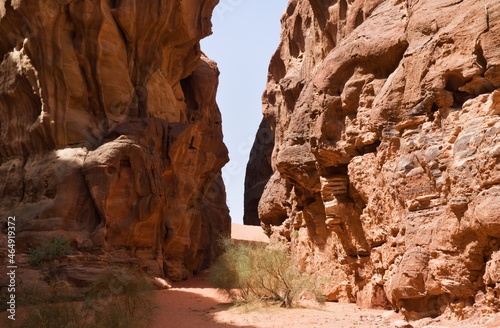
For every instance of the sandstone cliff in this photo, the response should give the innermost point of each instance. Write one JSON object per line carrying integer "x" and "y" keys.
{"x": 386, "y": 158}
{"x": 110, "y": 133}
{"x": 258, "y": 172}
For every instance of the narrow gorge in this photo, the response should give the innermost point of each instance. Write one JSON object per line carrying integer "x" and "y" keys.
{"x": 377, "y": 161}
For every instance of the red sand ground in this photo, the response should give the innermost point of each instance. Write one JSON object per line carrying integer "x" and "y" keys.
{"x": 194, "y": 303}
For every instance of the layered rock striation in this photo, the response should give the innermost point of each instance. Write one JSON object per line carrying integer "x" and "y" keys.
{"x": 386, "y": 167}
{"x": 110, "y": 133}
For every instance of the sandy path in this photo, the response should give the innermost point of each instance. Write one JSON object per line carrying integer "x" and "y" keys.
{"x": 194, "y": 303}
{"x": 189, "y": 304}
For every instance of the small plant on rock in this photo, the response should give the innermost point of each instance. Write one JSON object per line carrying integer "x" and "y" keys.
{"x": 49, "y": 249}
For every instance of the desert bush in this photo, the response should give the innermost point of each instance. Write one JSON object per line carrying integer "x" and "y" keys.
{"x": 49, "y": 250}
{"x": 119, "y": 298}
{"x": 250, "y": 272}
{"x": 50, "y": 306}
{"x": 53, "y": 315}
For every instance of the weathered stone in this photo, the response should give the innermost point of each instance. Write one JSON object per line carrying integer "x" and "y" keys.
{"x": 161, "y": 283}
{"x": 400, "y": 99}
{"x": 258, "y": 172}
{"x": 110, "y": 133}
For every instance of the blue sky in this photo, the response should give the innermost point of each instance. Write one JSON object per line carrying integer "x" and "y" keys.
{"x": 245, "y": 35}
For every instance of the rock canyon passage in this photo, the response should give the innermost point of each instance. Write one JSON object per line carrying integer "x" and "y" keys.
{"x": 380, "y": 170}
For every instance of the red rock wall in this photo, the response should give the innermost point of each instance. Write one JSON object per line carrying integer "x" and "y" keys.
{"x": 110, "y": 133}
{"x": 386, "y": 158}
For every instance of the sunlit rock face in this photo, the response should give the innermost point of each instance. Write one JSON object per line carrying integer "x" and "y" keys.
{"x": 386, "y": 167}
{"x": 110, "y": 133}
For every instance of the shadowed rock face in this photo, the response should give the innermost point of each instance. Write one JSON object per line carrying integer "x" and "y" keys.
{"x": 110, "y": 133}
{"x": 385, "y": 160}
{"x": 258, "y": 172}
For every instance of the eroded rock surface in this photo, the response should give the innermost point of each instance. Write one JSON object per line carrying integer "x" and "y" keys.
{"x": 110, "y": 133}
{"x": 386, "y": 157}
{"x": 258, "y": 172}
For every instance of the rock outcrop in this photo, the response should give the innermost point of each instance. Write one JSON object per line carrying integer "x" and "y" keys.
{"x": 386, "y": 167}
{"x": 110, "y": 133}
{"x": 258, "y": 172}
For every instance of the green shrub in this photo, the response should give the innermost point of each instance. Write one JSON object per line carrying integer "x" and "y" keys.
{"x": 50, "y": 306}
{"x": 119, "y": 298}
{"x": 49, "y": 250}
{"x": 250, "y": 272}
{"x": 53, "y": 315}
